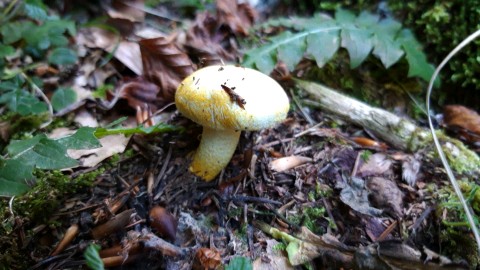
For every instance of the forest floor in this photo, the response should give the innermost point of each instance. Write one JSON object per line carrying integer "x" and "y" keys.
{"x": 313, "y": 192}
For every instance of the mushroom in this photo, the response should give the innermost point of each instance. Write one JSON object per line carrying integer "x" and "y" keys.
{"x": 226, "y": 100}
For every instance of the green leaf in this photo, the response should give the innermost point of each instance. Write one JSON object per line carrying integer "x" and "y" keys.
{"x": 417, "y": 60}
{"x": 6, "y": 50}
{"x": 92, "y": 257}
{"x": 321, "y": 37}
{"x": 343, "y": 16}
{"x": 366, "y": 19}
{"x": 158, "y": 128}
{"x": 263, "y": 58}
{"x": 291, "y": 49}
{"x": 323, "y": 45}
{"x": 36, "y": 10}
{"x": 22, "y": 102}
{"x": 62, "y": 56}
{"x": 83, "y": 138}
{"x": 41, "y": 152}
{"x": 359, "y": 44}
{"x": 13, "y": 31}
{"x": 239, "y": 263}
{"x": 62, "y": 98}
{"x": 387, "y": 51}
{"x": 15, "y": 177}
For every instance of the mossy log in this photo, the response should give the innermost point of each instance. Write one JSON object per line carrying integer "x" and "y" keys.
{"x": 400, "y": 133}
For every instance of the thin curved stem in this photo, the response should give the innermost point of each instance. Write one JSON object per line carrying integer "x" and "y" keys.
{"x": 450, "y": 175}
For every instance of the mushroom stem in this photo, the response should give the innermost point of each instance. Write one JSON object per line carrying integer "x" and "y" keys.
{"x": 215, "y": 151}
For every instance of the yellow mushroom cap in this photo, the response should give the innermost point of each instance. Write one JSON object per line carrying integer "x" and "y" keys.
{"x": 201, "y": 98}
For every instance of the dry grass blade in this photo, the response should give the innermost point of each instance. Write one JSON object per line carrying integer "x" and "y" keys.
{"x": 451, "y": 177}
{"x": 165, "y": 65}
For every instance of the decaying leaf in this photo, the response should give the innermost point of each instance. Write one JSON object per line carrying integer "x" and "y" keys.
{"x": 139, "y": 92}
{"x": 377, "y": 164}
{"x": 410, "y": 168}
{"x": 286, "y": 163}
{"x": 126, "y": 52}
{"x": 111, "y": 145}
{"x": 239, "y": 17}
{"x": 385, "y": 194}
{"x": 273, "y": 259}
{"x": 307, "y": 246}
{"x": 355, "y": 195}
{"x": 212, "y": 37}
{"x": 128, "y": 10}
{"x": 464, "y": 121}
{"x": 165, "y": 65}
{"x": 209, "y": 258}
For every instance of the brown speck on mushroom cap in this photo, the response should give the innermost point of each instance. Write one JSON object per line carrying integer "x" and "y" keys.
{"x": 209, "y": 99}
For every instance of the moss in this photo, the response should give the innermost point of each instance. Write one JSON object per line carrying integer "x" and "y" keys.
{"x": 34, "y": 208}
{"x": 310, "y": 217}
{"x": 459, "y": 245}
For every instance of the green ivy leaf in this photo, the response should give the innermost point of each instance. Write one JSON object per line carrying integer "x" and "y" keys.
{"x": 62, "y": 98}
{"x": 13, "y": 31}
{"x": 83, "y": 138}
{"x": 92, "y": 257}
{"x": 239, "y": 263}
{"x": 15, "y": 177}
{"x": 36, "y": 10}
{"x": 6, "y": 50}
{"x": 62, "y": 56}
{"x": 41, "y": 152}
{"x": 359, "y": 44}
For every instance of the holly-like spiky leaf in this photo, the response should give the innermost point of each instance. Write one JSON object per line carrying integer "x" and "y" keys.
{"x": 320, "y": 38}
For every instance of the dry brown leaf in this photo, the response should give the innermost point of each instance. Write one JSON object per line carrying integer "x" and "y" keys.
{"x": 125, "y": 51}
{"x": 128, "y": 10}
{"x": 464, "y": 121}
{"x": 111, "y": 145}
{"x": 286, "y": 163}
{"x": 239, "y": 17}
{"x": 385, "y": 194}
{"x": 273, "y": 259}
{"x": 209, "y": 258}
{"x": 378, "y": 164}
{"x": 212, "y": 37}
{"x": 139, "y": 93}
{"x": 165, "y": 65}
{"x": 206, "y": 40}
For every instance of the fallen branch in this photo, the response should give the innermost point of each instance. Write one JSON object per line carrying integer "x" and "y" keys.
{"x": 398, "y": 132}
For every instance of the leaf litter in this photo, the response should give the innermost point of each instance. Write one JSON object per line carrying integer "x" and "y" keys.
{"x": 312, "y": 188}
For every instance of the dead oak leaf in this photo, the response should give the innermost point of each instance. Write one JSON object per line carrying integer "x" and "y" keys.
{"x": 165, "y": 65}
{"x": 239, "y": 17}
{"x": 139, "y": 92}
{"x": 212, "y": 37}
{"x": 206, "y": 40}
